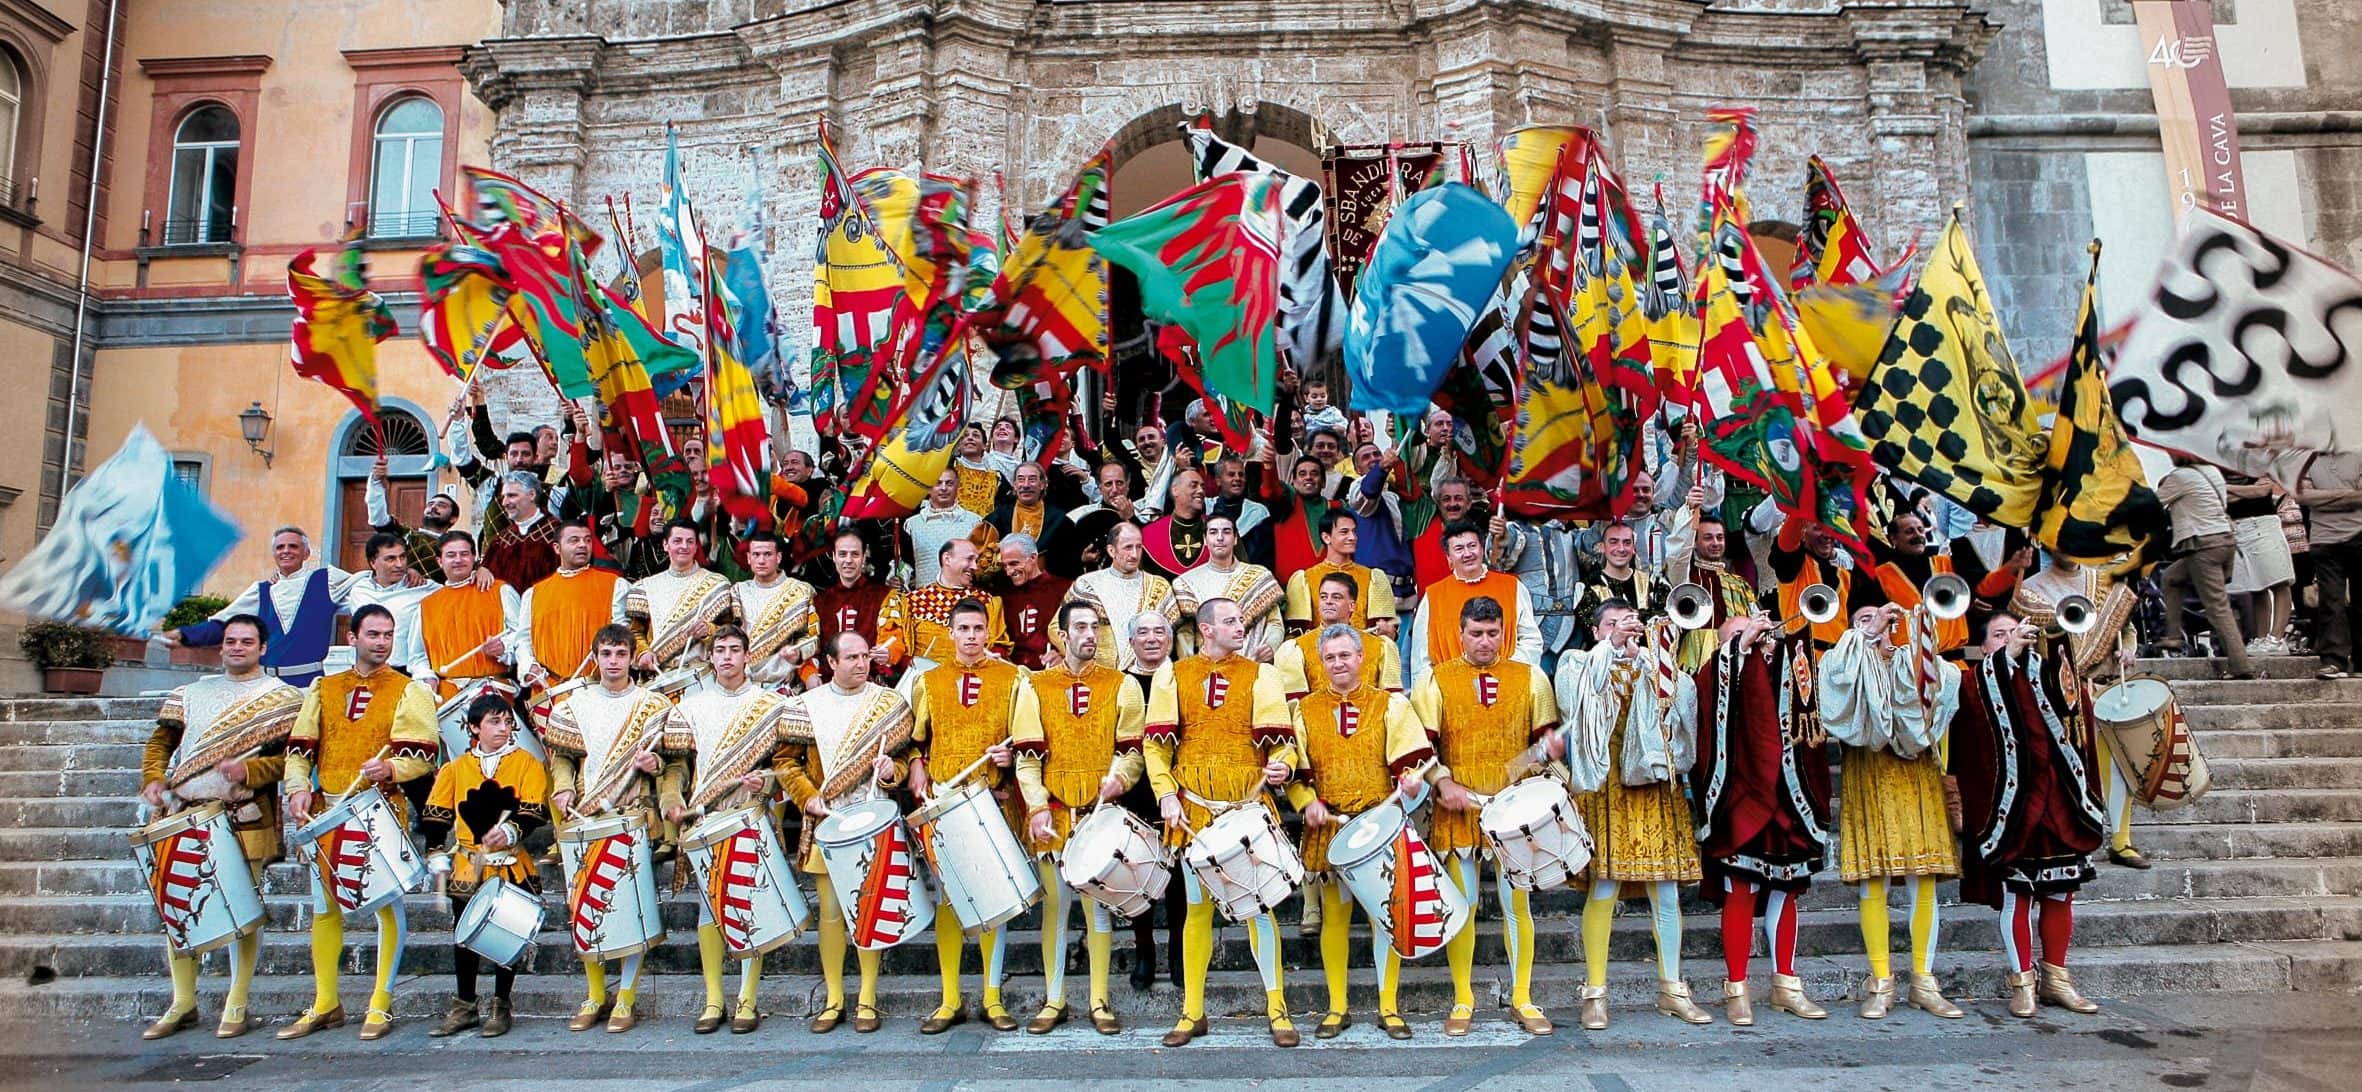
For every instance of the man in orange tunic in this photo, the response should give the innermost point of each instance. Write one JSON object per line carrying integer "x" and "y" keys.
{"x": 1435, "y": 631}
{"x": 470, "y": 631}
{"x": 565, "y": 610}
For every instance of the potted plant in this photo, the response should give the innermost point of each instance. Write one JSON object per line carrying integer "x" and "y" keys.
{"x": 189, "y": 612}
{"x": 72, "y": 659}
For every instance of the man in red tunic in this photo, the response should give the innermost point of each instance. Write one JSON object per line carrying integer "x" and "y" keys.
{"x": 1029, "y": 598}
{"x": 857, "y": 602}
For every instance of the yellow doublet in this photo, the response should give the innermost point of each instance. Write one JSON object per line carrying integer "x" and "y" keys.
{"x": 960, "y": 710}
{"x": 1354, "y": 746}
{"x": 1642, "y": 832}
{"x": 1088, "y": 729}
{"x": 1300, "y": 670}
{"x": 348, "y": 718}
{"x": 520, "y": 774}
{"x": 1212, "y": 724}
{"x": 1483, "y": 719}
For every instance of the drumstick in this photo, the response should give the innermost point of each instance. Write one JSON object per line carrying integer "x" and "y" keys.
{"x": 445, "y": 670}
{"x": 361, "y": 777}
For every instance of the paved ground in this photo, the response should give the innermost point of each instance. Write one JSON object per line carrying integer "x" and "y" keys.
{"x": 2305, "y": 1041}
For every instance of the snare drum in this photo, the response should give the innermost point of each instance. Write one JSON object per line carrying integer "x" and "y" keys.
{"x": 1386, "y": 864}
{"x": 875, "y": 872}
{"x": 361, "y": 853}
{"x": 987, "y": 877}
{"x": 1244, "y": 862}
{"x": 1114, "y": 859}
{"x": 1537, "y": 836}
{"x": 2152, "y": 743}
{"x": 197, "y": 873}
{"x": 499, "y": 922}
{"x": 611, "y": 901}
{"x": 748, "y": 885}
{"x": 451, "y": 718}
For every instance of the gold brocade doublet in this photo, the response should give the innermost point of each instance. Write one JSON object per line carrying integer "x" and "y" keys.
{"x": 1641, "y": 832}
{"x": 1218, "y": 731}
{"x": 1891, "y": 819}
{"x": 1089, "y": 729}
{"x": 1483, "y": 719}
{"x": 1345, "y": 744}
{"x": 964, "y": 711}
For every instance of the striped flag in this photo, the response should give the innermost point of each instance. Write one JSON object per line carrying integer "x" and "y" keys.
{"x": 1312, "y": 313}
{"x": 338, "y": 323}
{"x": 1833, "y": 249}
{"x": 856, "y": 284}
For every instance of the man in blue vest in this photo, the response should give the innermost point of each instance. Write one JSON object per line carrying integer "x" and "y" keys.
{"x": 298, "y": 608}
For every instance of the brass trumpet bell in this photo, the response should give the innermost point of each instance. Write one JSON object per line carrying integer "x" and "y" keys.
{"x": 1946, "y": 596}
{"x": 2077, "y": 614}
{"x": 1690, "y": 606}
{"x": 1818, "y": 603}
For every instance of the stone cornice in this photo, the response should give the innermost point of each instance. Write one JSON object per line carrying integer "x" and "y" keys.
{"x": 502, "y": 68}
{"x": 1953, "y": 33}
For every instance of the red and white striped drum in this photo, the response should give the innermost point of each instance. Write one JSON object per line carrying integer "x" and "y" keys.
{"x": 611, "y": 903}
{"x": 1391, "y": 872}
{"x": 197, "y": 874}
{"x": 749, "y": 887}
{"x": 361, "y": 853}
{"x": 874, "y": 868}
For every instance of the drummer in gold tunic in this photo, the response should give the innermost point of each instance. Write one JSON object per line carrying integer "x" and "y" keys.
{"x": 486, "y": 800}
{"x": 718, "y": 745}
{"x": 1084, "y": 751}
{"x": 1632, "y": 732}
{"x": 602, "y": 745}
{"x": 222, "y": 740}
{"x": 673, "y": 612}
{"x": 965, "y": 710}
{"x": 1299, "y": 659}
{"x": 782, "y": 631}
{"x": 1891, "y": 707}
{"x": 1359, "y": 743}
{"x": 369, "y": 724}
{"x": 1485, "y": 711}
{"x": 836, "y": 741}
{"x": 1218, "y": 731}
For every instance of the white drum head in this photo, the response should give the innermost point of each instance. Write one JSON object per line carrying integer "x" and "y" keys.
{"x": 1368, "y": 834}
{"x": 2132, "y": 700}
{"x": 856, "y": 822}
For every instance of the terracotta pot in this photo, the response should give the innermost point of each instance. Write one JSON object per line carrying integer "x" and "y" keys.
{"x": 72, "y": 680}
{"x": 199, "y": 657}
{"x": 128, "y": 650}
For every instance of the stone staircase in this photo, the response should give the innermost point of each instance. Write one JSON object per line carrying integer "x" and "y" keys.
{"x": 2257, "y": 887}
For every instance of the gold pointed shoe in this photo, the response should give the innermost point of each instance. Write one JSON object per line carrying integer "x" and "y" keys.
{"x": 1532, "y": 1019}
{"x": 622, "y": 1020}
{"x": 168, "y": 1024}
{"x": 1878, "y": 998}
{"x": 590, "y": 1015}
{"x": 1673, "y": 999}
{"x": 2058, "y": 988}
{"x": 1594, "y": 1008}
{"x": 1047, "y": 1020}
{"x": 1787, "y": 995}
{"x": 746, "y": 1019}
{"x": 1927, "y": 995}
{"x": 310, "y": 1022}
{"x": 235, "y": 1023}
{"x": 2021, "y": 995}
{"x": 1736, "y": 1008}
{"x": 377, "y": 1025}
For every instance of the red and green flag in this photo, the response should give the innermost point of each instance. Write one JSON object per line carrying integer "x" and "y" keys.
{"x": 1208, "y": 261}
{"x": 338, "y": 323}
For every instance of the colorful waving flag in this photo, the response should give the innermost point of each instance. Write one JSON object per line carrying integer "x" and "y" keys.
{"x": 684, "y": 260}
{"x": 1946, "y": 406}
{"x": 532, "y": 238}
{"x": 130, "y": 541}
{"x": 856, "y": 285}
{"x": 1208, "y": 261}
{"x": 2096, "y": 502}
{"x": 1311, "y": 310}
{"x": 463, "y": 305}
{"x": 338, "y": 323}
{"x": 1833, "y": 249}
{"x": 1049, "y": 301}
{"x": 1439, "y": 263}
{"x": 737, "y": 439}
{"x": 1480, "y": 395}
{"x": 750, "y": 294}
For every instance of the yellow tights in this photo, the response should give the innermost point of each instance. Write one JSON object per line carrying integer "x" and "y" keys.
{"x": 1517, "y": 936}
{"x": 1336, "y": 951}
{"x": 246, "y": 951}
{"x": 1923, "y": 927}
{"x": 833, "y": 943}
{"x": 951, "y": 945}
{"x": 328, "y": 955}
{"x": 712, "y": 953}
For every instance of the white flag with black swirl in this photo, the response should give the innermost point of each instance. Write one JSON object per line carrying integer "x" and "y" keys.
{"x": 2246, "y": 352}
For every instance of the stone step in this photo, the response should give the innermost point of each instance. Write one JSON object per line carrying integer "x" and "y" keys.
{"x": 108, "y": 896}
{"x": 2205, "y": 720}
{"x": 2281, "y": 743}
{"x": 2285, "y": 773}
{"x": 48, "y": 708}
{"x": 2185, "y": 668}
{"x": 2224, "y": 841}
{"x": 2267, "y": 806}
{"x": 71, "y": 756}
{"x": 2298, "y": 691}
{"x": 1830, "y": 933}
{"x": 40, "y": 784}
{"x": 2104, "y": 973}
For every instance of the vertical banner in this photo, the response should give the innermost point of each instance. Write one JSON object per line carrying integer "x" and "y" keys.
{"x": 2194, "y": 118}
{"x": 1365, "y": 181}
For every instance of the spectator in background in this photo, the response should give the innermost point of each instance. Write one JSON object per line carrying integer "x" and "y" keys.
{"x": 2196, "y": 498}
{"x": 2332, "y": 495}
{"x": 2263, "y": 569}
{"x": 2301, "y": 613}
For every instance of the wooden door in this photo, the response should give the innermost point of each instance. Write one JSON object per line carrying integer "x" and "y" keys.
{"x": 408, "y": 496}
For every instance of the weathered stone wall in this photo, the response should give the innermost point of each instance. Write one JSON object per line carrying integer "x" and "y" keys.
{"x": 1030, "y": 89}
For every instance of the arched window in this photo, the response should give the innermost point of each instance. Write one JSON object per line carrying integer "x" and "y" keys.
{"x": 204, "y": 204}
{"x": 12, "y": 109}
{"x": 404, "y": 168}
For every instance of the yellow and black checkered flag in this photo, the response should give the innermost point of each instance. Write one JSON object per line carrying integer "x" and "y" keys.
{"x": 1945, "y": 405}
{"x": 2096, "y": 502}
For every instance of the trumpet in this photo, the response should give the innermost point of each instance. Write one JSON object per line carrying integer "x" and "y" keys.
{"x": 1690, "y": 606}
{"x": 1818, "y": 603}
{"x": 2077, "y": 614}
{"x": 1946, "y": 596}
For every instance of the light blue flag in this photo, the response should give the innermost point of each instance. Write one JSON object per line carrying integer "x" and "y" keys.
{"x": 130, "y": 541}
{"x": 750, "y": 297}
{"x": 1432, "y": 272}
{"x": 684, "y": 263}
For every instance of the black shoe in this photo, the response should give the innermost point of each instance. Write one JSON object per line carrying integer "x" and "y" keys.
{"x": 1143, "y": 975}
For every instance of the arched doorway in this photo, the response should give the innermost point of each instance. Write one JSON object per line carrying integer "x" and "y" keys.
{"x": 1152, "y": 163}
{"x": 409, "y": 448}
